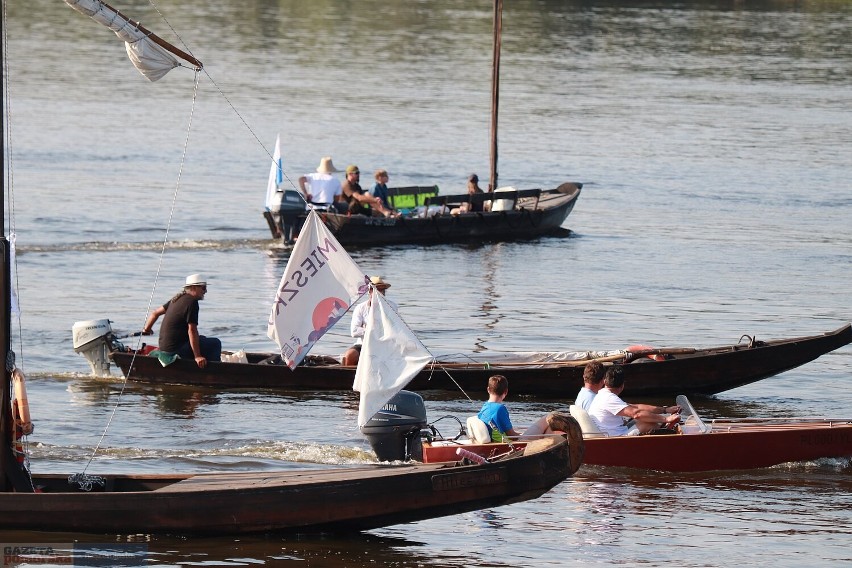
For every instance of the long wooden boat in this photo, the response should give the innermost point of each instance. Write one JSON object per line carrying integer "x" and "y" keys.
{"x": 528, "y": 214}
{"x": 339, "y": 499}
{"x": 704, "y": 371}
{"x": 697, "y": 445}
{"x": 316, "y": 500}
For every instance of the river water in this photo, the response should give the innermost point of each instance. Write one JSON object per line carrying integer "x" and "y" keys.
{"x": 713, "y": 143}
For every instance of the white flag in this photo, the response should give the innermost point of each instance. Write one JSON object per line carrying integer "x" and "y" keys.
{"x": 390, "y": 357}
{"x": 319, "y": 284}
{"x": 276, "y": 177}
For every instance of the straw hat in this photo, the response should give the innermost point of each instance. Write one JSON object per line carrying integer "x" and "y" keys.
{"x": 195, "y": 280}
{"x": 326, "y": 167}
{"x": 379, "y": 282}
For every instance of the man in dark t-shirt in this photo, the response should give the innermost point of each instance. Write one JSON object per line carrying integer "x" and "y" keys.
{"x": 179, "y": 330}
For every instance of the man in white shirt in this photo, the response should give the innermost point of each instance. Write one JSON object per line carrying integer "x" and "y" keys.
{"x": 322, "y": 188}
{"x": 593, "y": 381}
{"x": 608, "y": 411}
{"x": 359, "y": 320}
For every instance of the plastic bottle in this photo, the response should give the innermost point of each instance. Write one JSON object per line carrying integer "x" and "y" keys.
{"x": 475, "y": 458}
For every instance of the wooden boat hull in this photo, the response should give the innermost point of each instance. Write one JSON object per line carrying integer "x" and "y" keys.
{"x": 700, "y": 371}
{"x": 740, "y": 446}
{"x": 542, "y": 216}
{"x": 290, "y": 501}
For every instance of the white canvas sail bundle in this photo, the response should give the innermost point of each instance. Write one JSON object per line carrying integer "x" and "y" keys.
{"x": 152, "y": 60}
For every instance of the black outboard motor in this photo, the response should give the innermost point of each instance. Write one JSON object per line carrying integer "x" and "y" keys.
{"x": 292, "y": 205}
{"x": 394, "y": 431}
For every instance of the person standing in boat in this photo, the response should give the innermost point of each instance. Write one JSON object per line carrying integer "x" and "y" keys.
{"x": 321, "y": 188}
{"x": 593, "y": 381}
{"x": 361, "y": 203}
{"x": 179, "y": 330}
{"x": 494, "y": 413}
{"x": 359, "y": 320}
{"x": 609, "y": 412}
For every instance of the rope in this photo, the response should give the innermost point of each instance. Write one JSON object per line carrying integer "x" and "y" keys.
{"x": 82, "y": 478}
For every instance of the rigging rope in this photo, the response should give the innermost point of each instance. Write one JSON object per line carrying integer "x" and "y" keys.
{"x": 156, "y": 275}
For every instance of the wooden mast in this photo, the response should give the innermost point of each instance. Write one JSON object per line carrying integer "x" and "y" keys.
{"x": 495, "y": 89}
{"x": 5, "y": 293}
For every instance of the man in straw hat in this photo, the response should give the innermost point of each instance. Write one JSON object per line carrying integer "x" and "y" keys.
{"x": 179, "y": 331}
{"x": 359, "y": 320}
{"x": 323, "y": 189}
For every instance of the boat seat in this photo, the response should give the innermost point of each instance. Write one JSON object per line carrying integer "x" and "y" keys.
{"x": 477, "y": 431}
{"x": 587, "y": 425}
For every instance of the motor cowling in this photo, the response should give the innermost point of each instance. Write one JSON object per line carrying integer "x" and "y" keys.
{"x": 394, "y": 431}
{"x": 93, "y": 339}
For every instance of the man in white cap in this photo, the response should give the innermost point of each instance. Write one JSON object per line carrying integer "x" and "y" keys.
{"x": 179, "y": 331}
{"x": 323, "y": 189}
{"x": 359, "y": 320}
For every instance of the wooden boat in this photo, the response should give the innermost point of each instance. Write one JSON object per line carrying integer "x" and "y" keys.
{"x": 703, "y": 371}
{"x": 509, "y": 213}
{"x": 704, "y": 445}
{"x": 528, "y": 214}
{"x": 698, "y": 445}
{"x": 341, "y": 499}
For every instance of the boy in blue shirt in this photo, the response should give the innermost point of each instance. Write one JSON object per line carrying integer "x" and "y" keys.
{"x": 494, "y": 412}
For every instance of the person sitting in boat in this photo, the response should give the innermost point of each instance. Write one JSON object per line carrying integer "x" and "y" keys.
{"x": 494, "y": 413}
{"x": 361, "y": 203}
{"x": 323, "y": 189}
{"x": 609, "y": 412}
{"x": 359, "y": 320}
{"x": 593, "y": 381}
{"x": 472, "y": 189}
{"x": 380, "y": 188}
{"x": 179, "y": 330}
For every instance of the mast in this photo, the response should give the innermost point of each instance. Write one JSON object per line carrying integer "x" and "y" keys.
{"x": 495, "y": 89}
{"x": 5, "y": 291}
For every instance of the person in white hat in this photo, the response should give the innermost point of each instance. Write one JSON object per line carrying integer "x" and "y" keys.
{"x": 323, "y": 189}
{"x": 179, "y": 330}
{"x": 359, "y": 320}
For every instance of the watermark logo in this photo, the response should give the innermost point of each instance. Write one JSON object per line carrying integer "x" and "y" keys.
{"x": 112, "y": 555}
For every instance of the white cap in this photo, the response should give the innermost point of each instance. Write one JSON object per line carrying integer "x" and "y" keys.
{"x": 195, "y": 280}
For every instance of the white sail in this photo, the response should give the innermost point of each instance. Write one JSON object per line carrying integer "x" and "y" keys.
{"x": 276, "y": 177}
{"x": 319, "y": 284}
{"x": 152, "y": 60}
{"x": 390, "y": 357}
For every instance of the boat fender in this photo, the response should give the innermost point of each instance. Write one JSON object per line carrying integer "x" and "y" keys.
{"x": 653, "y": 356}
{"x": 21, "y": 406}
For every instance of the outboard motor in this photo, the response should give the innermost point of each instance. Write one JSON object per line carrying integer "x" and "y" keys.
{"x": 93, "y": 338}
{"x": 289, "y": 205}
{"x": 394, "y": 431}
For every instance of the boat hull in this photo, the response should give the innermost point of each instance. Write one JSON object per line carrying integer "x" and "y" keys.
{"x": 702, "y": 371}
{"x": 292, "y": 501}
{"x": 533, "y": 218}
{"x": 742, "y": 446}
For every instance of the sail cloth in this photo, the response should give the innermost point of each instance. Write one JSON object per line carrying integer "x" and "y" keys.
{"x": 319, "y": 284}
{"x": 390, "y": 357}
{"x": 144, "y": 49}
{"x": 276, "y": 178}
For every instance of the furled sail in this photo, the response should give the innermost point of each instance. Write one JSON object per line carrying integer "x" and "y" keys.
{"x": 150, "y": 54}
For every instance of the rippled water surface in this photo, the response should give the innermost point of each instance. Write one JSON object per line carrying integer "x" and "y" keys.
{"x": 713, "y": 144}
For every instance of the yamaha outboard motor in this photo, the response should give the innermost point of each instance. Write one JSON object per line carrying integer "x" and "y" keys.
{"x": 394, "y": 431}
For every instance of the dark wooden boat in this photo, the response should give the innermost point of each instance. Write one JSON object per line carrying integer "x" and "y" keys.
{"x": 341, "y": 499}
{"x": 704, "y": 371}
{"x": 321, "y": 500}
{"x": 698, "y": 445}
{"x": 528, "y": 214}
